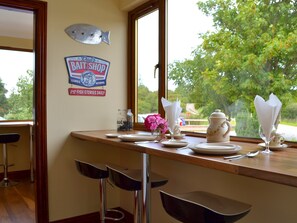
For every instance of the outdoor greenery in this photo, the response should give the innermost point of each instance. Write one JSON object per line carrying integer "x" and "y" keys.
{"x": 19, "y": 105}
{"x": 252, "y": 51}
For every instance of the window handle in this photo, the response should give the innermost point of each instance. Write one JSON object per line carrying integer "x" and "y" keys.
{"x": 157, "y": 66}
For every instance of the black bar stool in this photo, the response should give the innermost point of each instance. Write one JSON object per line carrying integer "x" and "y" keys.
{"x": 4, "y": 139}
{"x": 203, "y": 207}
{"x": 98, "y": 171}
{"x": 131, "y": 180}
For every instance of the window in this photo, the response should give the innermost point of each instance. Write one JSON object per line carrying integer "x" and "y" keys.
{"x": 16, "y": 85}
{"x": 215, "y": 55}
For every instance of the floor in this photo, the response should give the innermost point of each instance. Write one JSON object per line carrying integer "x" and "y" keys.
{"x": 17, "y": 203}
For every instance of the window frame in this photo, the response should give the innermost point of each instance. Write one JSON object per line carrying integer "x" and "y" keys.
{"x": 133, "y": 15}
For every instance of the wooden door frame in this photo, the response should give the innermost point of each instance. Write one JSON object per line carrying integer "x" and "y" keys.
{"x": 39, "y": 8}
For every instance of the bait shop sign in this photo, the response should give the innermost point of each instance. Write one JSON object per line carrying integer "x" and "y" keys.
{"x": 87, "y": 72}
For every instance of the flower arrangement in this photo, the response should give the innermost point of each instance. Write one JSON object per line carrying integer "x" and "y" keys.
{"x": 156, "y": 123}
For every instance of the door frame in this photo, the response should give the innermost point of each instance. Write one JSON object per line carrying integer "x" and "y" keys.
{"x": 39, "y": 8}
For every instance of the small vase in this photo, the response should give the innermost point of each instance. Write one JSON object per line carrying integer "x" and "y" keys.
{"x": 158, "y": 134}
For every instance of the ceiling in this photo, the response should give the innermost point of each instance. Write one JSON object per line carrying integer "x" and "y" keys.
{"x": 18, "y": 24}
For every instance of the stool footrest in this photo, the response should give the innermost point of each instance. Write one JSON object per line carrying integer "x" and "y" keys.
{"x": 122, "y": 215}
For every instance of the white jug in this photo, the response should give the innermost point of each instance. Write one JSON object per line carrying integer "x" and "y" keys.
{"x": 219, "y": 128}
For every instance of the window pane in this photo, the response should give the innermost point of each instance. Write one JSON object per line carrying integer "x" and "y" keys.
{"x": 231, "y": 52}
{"x": 147, "y": 59}
{"x": 16, "y": 85}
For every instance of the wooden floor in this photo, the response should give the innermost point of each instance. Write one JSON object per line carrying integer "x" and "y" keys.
{"x": 17, "y": 203}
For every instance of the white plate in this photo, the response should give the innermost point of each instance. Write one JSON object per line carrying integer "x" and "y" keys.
{"x": 136, "y": 137}
{"x": 215, "y": 148}
{"x": 179, "y": 136}
{"x": 174, "y": 144}
{"x": 281, "y": 147}
{"x": 112, "y": 135}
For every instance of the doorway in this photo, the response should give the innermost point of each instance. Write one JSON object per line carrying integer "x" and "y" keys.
{"x": 39, "y": 9}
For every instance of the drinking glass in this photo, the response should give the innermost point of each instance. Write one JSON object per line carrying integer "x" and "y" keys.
{"x": 171, "y": 135}
{"x": 267, "y": 138}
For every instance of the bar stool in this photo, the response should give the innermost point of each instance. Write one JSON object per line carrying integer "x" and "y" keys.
{"x": 4, "y": 139}
{"x": 131, "y": 180}
{"x": 203, "y": 207}
{"x": 98, "y": 171}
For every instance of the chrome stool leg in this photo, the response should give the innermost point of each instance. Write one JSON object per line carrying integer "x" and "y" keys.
{"x": 6, "y": 182}
{"x": 102, "y": 208}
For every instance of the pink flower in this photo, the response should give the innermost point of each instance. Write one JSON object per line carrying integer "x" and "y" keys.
{"x": 156, "y": 122}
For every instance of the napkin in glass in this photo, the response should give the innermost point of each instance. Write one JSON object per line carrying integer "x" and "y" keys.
{"x": 173, "y": 111}
{"x": 267, "y": 112}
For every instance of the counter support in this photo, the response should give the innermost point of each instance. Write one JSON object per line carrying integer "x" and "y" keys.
{"x": 146, "y": 188}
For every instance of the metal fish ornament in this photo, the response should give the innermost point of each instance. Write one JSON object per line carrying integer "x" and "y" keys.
{"x": 87, "y": 34}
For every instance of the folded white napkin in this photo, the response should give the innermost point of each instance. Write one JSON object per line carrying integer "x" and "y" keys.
{"x": 173, "y": 111}
{"x": 267, "y": 112}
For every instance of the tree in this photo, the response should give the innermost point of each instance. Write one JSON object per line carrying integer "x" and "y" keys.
{"x": 3, "y": 99}
{"x": 21, "y": 100}
{"x": 251, "y": 51}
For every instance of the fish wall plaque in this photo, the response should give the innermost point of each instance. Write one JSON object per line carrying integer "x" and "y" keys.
{"x": 88, "y": 34}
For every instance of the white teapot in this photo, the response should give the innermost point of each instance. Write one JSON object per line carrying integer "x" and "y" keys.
{"x": 219, "y": 128}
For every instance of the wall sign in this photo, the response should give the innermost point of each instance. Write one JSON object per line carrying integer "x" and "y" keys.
{"x": 88, "y": 72}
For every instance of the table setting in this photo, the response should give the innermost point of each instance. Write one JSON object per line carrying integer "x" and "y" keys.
{"x": 268, "y": 114}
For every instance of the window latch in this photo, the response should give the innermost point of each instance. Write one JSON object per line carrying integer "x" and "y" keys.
{"x": 157, "y": 66}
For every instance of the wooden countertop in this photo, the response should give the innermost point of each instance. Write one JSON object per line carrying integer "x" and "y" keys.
{"x": 279, "y": 167}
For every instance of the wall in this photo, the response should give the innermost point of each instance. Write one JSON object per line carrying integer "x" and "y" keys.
{"x": 16, "y": 42}
{"x": 71, "y": 194}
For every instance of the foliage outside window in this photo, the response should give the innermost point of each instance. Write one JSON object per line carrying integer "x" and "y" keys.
{"x": 249, "y": 50}
{"x": 16, "y": 103}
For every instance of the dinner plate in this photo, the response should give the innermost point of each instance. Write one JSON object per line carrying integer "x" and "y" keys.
{"x": 215, "y": 148}
{"x": 179, "y": 136}
{"x": 112, "y": 135}
{"x": 136, "y": 137}
{"x": 281, "y": 147}
{"x": 174, "y": 144}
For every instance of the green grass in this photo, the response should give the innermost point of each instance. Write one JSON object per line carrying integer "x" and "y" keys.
{"x": 288, "y": 122}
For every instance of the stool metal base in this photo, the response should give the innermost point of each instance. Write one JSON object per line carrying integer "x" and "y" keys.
{"x": 8, "y": 183}
{"x": 122, "y": 215}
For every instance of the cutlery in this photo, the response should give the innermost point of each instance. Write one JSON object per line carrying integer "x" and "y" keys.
{"x": 236, "y": 157}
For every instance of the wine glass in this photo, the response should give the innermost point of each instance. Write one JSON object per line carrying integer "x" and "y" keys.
{"x": 171, "y": 135}
{"x": 267, "y": 138}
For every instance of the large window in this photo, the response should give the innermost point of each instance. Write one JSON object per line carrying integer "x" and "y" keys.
{"x": 16, "y": 85}
{"x": 215, "y": 55}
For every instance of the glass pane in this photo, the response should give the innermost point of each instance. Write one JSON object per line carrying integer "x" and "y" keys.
{"x": 16, "y": 85}
{"x": 231, "y": 52}
{"x": 147, "y": 59}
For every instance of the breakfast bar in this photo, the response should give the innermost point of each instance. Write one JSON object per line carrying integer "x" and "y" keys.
{"x": 279, "y": 167}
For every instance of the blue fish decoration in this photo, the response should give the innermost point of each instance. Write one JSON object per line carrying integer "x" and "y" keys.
{"x": 88, "y": 34}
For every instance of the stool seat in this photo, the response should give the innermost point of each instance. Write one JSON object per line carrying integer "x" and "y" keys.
{"x": 203, "y": 207}
{"x": 99, "y": 171}
{"x": 9, "y": 137}
{"x": 92, "y": 170}
{"x": 131, "y": 179}
{"x": 5, "y": 139}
